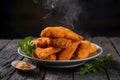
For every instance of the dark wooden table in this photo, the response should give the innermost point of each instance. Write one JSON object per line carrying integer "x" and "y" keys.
{"x": 8, "y": 53}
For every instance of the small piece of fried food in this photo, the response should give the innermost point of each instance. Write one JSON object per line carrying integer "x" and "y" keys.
{"x": 61, "y": 32}
{"x": 93, "y": 48}
{"x": 83, "y": 50}
{"x": 66, "y": 54}
{"x": 61, "y": 42}
{"x": 42, "y": 42}
{"x": 43, "y": 53}
{"x": 34, "y": 55}
{"x": 51, "y": 57}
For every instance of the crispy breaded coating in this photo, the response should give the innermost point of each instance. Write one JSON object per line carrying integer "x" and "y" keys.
{"x": 34, "y": 55}
{"x": 61, "y": 42}
{"x": 67, "y": 53}
{"x": 43, "y": 53}
{"x": 61, "y": 32}
{"x": 51, "y": 57}
{"x": 55, "y": 42}
{"x": 83, "y": 50}
{"x": 93, "y": 48}
{"x": 42, "y": 42}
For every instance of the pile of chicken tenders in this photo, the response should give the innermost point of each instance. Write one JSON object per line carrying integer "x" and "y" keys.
{"x": 60, "y": 43}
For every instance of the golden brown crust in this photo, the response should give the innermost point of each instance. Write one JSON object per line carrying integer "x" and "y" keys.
{"x": 43, "y": 53}
{"x": 51, "y": 57}
{"x": 83, "y": 50}
{"x": 55, "y": 42}
{"x": 61, "y": 42}
{"x": 61, "y": 32}
{"x": 67, "y": 53}
{"x": 42, "y": 42}
{"x": 93, "y": 48}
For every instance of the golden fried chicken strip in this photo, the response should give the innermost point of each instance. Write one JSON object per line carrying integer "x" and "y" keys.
{"x": 83, "y": 50}
{"x": 43, "y": 53}
{"x": 55, "y": 42}
{"x": 51, "y": 57}
{"x": 42, "y": 42}
{"x": 93, "y": 48}
{"x": 61, "y": 42}
{"x": 67, "y": 53}
{"x": 61, "y": 32}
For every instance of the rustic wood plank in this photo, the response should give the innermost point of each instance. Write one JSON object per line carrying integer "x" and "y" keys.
{"x": 113, "y": 69}
{"x": 39, "y": 71}
{"x": 107, "y": 46}
{"x": 59, "y": 74}
{"x": 37, "y": 74}
{"x": 12, "y": 46}
{"x": 8, "y": 54}
{"x": 116, "y": 43}
{"x": 3, "y": 43}
{"x": 91, "y": 76}
{"x": 112, "y": 66}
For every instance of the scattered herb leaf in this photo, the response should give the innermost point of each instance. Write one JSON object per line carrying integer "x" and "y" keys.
{"x": 97, "y": 64}
{"x": 27, "y": 45}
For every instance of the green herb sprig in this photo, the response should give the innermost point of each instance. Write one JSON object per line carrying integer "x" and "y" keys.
{"x": 27, "y": 45}
{"x": 97, "y": 64}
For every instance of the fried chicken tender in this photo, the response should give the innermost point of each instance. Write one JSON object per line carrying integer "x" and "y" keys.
{"x": 61, "y": 42}
{"x": 93, "y": 48}
{"x": 60, "y": 32}
{"x": 34, "y": 55}
{"x": 67, "y": 53}
{"x": 83, "y": 50}
{"x": 42, "y": 42}
{"x": 43, "y": 53}
{"x": 51, "y": 57}
{"x": 55, "y": 42}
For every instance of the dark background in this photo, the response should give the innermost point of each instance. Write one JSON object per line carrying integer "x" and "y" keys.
{"x": 21, "y": 18}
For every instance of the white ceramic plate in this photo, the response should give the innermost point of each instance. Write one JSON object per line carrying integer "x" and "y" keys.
{"x": 63, "y": 63}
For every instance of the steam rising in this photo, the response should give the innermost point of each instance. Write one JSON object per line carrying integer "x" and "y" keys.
{"x": 66, "y": 10}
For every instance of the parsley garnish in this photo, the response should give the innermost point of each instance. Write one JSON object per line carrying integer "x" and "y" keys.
{"x": 27, "y": 45}
{"x": 97, "y": 64}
